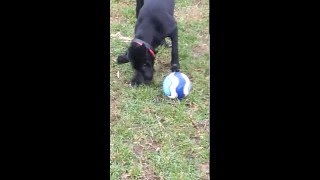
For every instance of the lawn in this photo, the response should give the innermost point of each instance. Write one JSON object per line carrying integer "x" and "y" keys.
{"x": 152, "y": 136}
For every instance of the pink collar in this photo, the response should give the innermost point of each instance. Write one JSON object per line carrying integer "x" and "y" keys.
{"x": 150, "y": 48}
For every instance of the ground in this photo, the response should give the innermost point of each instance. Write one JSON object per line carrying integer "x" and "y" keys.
{"x": 152, "y": 136}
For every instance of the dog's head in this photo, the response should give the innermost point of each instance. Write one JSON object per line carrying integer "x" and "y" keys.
{"x": 142, "y": 61}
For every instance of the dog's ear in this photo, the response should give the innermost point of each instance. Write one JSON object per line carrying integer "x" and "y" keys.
{"x": 138, "y": 47}
{"x": 143, "y": 47}
{"x": 137, "y": 51}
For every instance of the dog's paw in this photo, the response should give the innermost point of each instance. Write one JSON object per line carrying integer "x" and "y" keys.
{"x": 135, "y": 82}
{"x": 175, "y": 68}
{"x": 122, "y": 59}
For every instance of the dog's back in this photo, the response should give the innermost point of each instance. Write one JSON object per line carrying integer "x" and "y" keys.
{"x": 157, "y": 6}
{"x": 155, "y": 19}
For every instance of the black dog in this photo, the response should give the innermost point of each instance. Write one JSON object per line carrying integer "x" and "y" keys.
{"x": 155, "y": 22}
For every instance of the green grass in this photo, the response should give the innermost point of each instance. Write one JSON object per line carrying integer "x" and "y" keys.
{"x": 152, "y": 136}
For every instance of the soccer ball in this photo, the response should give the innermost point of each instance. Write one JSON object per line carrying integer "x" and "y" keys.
{"x": 176, "y": 85}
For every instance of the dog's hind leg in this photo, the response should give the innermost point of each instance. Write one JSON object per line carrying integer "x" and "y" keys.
{"x": 138, "y": 7}
{"x": 175, "y": 66}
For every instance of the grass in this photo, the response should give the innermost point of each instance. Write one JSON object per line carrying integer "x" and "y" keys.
{"x": 152, "y": 136}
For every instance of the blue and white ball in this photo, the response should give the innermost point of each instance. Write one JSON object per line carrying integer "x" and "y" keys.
{"x": 176, "y": 85}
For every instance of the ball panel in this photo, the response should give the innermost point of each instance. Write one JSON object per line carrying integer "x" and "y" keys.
{"x": 187, "y": 87}
{"x": 181, "y": 85}
{"x": 174, "y": 85}
{"x": 166, "y": 86}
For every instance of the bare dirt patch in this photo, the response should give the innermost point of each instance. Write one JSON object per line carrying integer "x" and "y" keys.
{"x": 125, "y": 176}
{"x": 149, "y": 173}
{"x": 203, "y": 46}
{"x": 202, "y": 125}
{"x": 200, "y": 50}
{"x": 138, "y": 149}
{"x": 153, "y": 145}
{"x": 204, "y": 169}
{"x": 145, "y": 145}
{"x": 201, "y": 128}
{"x": 114, "y": 109}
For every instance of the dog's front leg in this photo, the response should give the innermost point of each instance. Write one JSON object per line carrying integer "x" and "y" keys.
{"x": 123, "y": 58}
{"x": 175, "y": 66}
{"x": 138, "y": 7}
{"x": 137, "y": 79}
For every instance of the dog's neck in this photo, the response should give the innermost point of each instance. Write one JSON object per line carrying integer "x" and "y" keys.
{"x": 147, "y": 39}
{"x": 147, "y": 36}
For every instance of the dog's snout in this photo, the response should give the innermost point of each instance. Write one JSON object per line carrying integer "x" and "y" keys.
{"x": 148, "y": 74}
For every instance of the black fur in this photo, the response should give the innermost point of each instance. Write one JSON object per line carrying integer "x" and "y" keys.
{"x": 155, "y": 22}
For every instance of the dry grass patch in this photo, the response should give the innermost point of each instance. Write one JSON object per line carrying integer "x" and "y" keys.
{"x": 115, "y": 113}
{"x": 192, "y": 13}
{"x": 139, "y": 149}
{"x": 204, "y": 169}
{"x": 115, "y": 14}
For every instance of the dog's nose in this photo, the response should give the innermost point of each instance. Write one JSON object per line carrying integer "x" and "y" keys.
{"x": 147, "y": 76}
{"x": 147, "y": 79}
